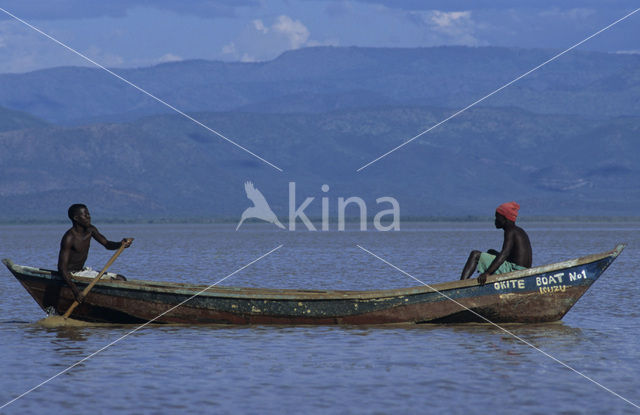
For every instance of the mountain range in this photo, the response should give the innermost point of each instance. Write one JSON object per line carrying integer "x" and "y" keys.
{"x": 322, "y": 79}
{"x": 562, "y": 141}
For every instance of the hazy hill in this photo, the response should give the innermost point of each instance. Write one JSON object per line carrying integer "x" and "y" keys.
{"x": 17, "y": 120}
{"x": 166, "y": 166}
{"x": 325, "y": 79}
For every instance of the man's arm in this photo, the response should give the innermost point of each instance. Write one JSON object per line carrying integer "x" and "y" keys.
{"x": 110, "y": 245}
{"x": 502, "y": 256}
{"x": 63, "y": 265}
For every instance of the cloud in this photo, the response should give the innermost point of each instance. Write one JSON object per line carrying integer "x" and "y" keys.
{"x": 169, "y": 57}
{"x": 229, "y": 49}
{"x": 260, "y": 41}
{"x": 456, "y": 27}
{"x": 247, "y": 58}
{"x": 571, "y": 14}
{"x": 447, "y": 21}
{"x": 260, "y": 26}
{"x": 327, "y": 42}
{"x": 294, "y": 30}
{"x": 102, "y": 57}
{"x": 25, "y": 50}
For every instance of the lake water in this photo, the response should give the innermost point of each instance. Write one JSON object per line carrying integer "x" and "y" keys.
{"x": 457, "y": 369}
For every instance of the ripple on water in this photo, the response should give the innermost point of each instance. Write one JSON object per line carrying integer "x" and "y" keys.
{"x": 460, "y": 369}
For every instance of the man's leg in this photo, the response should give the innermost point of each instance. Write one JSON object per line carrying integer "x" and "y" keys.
{"x": 471, "y": 265}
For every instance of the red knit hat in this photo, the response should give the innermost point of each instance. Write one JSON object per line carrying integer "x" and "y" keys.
{"x": 509, "y": 210}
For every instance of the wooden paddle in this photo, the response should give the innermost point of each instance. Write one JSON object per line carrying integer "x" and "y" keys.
{"x": 95, "y": 280}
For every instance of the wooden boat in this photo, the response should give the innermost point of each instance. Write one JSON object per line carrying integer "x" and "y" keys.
{"x": 534, "y": 295}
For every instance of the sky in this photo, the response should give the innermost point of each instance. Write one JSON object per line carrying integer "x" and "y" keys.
{"x": 136, "y": 33}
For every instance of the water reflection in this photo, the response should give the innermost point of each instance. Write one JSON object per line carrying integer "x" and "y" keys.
{"x": 257, "y": 369}
{"x": 59, "y": 335}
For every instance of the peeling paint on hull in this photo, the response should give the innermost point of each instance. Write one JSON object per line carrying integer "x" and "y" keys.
{"x": 535, "y": 295}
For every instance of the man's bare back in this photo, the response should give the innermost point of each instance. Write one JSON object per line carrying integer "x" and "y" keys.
{"x": 516, "y": 250}
{"x": 520, "y": 252}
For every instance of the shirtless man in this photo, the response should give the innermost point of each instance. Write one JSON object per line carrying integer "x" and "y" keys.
{"x": 516, "y": 248}
{"x": 74, "y": 247}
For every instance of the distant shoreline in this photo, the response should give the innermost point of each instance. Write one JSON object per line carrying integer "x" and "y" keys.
{"x": 411, "y": 219}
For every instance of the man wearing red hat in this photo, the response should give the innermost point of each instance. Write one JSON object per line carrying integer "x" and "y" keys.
{"x": 516, "y": 248}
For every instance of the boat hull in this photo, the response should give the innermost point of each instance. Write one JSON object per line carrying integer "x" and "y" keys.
{"x": 541, "y": 294}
